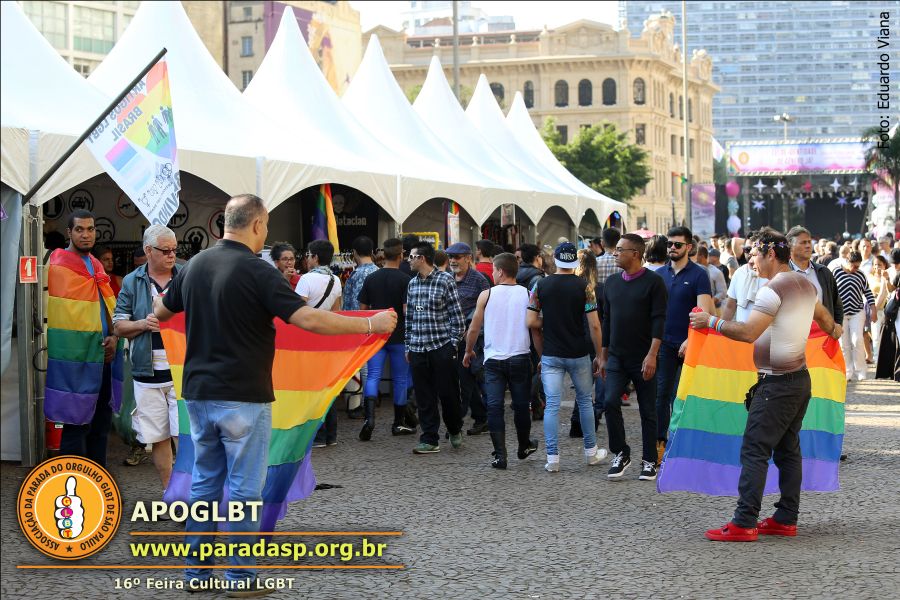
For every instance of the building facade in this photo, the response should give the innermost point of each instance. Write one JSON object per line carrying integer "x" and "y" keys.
{"x": 586, "y": 73}
{"x": 815, "y": 61}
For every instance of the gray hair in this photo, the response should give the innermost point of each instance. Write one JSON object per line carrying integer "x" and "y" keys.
{"x": 795, "y": 232}
{"x": 241, "y": 210}
{"x": 154, "y": 232}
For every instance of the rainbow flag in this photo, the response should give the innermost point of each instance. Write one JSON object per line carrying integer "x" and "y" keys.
{"x": 308, "y": 372}
{"x": 75, "y": 338}
{"x": 324, "y": 226}
{"x": 709, "y": 417}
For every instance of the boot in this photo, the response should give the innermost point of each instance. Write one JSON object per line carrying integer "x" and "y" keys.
{"x": 527, "y": 446}
{"x": 369, "y": 407}
{"x": 412, "y": 420}
{"x": 498, "y": 438}
{"x": 400, "y": 427}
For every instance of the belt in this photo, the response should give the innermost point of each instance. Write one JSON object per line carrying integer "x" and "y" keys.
{"x": 783, "y": 376}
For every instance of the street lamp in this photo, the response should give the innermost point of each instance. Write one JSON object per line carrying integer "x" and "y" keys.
{"x": 785, "y": 119}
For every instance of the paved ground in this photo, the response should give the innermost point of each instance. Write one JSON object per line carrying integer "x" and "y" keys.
{"x": 473, "y": 532}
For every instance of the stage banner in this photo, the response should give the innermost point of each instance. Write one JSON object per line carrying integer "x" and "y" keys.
{"x": 452, "y": 223}
{"x": 135, "y": 145}
{"x": 776, "y": 158}
{"x": 703, "y": 209}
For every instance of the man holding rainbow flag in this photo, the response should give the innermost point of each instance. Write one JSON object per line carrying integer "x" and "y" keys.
{"x": 778, "y": 327}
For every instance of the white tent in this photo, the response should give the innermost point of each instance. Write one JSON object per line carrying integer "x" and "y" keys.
{"x": 522, "y": 127}
{"x": 41, "y": 92}
{"x": 442, "y": 112}
{"x": 485, "y": 113}
{"x": 428, "y": 169}
{"x": 289, "y": 83}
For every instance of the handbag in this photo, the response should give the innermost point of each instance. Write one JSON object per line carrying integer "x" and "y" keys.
{"x": 893, "y": 306}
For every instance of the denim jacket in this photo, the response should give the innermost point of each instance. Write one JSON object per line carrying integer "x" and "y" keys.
{"x": 133, "y": 304}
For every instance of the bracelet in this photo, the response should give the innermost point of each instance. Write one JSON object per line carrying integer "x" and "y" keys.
{"x": 369, "y": 323}
{"x": 712, "y": 321}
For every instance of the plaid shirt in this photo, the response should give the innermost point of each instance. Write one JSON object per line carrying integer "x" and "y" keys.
{"x": 354, "y": 285}
{"x": 433, "y": 316}
{"x": 606, "y": 266}
{"x": 469, "y": 289}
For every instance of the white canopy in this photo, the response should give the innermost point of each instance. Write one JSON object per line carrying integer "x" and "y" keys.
{"x": 289, "y": 83}
{"x": 428, "y": 169}
{"x": 39, "y": 91}
{"x": 441, "y": 111}
{"x": 526, "y": 135}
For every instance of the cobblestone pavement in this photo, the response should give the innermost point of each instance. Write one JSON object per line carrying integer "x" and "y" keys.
{"x": 474, "y": 532}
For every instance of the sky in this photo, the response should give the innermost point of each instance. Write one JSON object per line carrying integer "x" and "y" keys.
{"x": 527, "y": 15}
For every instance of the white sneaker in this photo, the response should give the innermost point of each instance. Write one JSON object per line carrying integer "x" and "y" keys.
{"x": 552, "y": 467}
{"x": 598, "y": 457}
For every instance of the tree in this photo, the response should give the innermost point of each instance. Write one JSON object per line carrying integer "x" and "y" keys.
{"x": 465, "y": 94}
{"x": 883, "y": 160}
{"x": 602, "y": 158}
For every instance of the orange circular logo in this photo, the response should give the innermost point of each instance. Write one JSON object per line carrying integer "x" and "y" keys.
{"x": 69, "y": 507}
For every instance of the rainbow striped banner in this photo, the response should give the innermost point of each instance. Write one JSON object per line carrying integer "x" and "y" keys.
{"x": 324, "y": 225}
{"x": 709, "y": 417}
{"x": 75, "y": 339}
{"x": 309, "y": 371}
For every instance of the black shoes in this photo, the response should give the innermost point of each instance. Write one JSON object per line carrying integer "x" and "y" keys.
{"x": 648, "y": 471}
{"x": 400, "y": 426}
{"x": 498, "y": 439}
{"x": 369, "y": 407}
{"x": 477, "y": 428}
{"x": 527, "y": 450}
{"x": 619, "y": 463}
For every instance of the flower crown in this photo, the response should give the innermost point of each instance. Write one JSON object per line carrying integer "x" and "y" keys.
{"x": 764, "y": 247}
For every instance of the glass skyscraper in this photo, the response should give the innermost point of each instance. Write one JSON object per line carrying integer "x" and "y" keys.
{"x": 815, "y": 61}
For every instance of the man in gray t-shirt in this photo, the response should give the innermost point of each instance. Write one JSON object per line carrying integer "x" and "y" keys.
{"x": 778, "y": 327}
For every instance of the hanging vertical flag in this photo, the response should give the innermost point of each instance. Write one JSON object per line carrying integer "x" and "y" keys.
{"x": 324, "y": 224}
{"x": 452, "y": 223}
{"x": 135, "y": 145}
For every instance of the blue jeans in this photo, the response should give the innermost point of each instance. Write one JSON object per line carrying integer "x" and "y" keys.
{"x": 515, "y": 373}
{"x": 399, "y": 372}
{"x": 553, "y": 370}
{"x": 618, "y": 374}
{"x": 231, "y": 447}
{"x": 668, "y": 372}
{"x": 599, "y": 401}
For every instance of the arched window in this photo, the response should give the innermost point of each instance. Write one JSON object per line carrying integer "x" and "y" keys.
{"x": 499, "y": 92}
{"x": 609, "y": 92}
{"x": 681, "y": 107}
{"x": 672, "y": 105}
{"x": 561, "y": 93}
{"x": 639, "y": 91}
{"x": 690, "y": 111}
{"x": 529, "y": 94}
{"x": 585, "y": 93}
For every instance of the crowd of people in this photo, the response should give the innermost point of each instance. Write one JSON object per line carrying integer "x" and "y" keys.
{"x": 467, "y": 326}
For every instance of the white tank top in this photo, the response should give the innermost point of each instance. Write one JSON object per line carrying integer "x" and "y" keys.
{"x": 505, "y": 331}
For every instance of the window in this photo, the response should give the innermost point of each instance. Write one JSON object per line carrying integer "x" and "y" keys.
{"x": 640, "y": 134}
{"x": 84, "y": 67}
{"x": 639, "y": 91}
{"x": 672, "y": 143}
{"x": 585, "y": 93}
{"x": 50, "y": 20}
{"x": 248, "y": 13}
{"x": 690, "y": 111}
{"x": 691, "y": 148}
{"x": 561, "y": 93}
{"x": 609, "y": 92}
{"x": 94, "y": 30}
{"x": 672, "y": 107}
{"x": 681, "y": 107}
{"x": 681, "y": 144}
{"x": 246, "y": 46}
{"x": 563, "y": 133}
{"x": 529, "y": 94}
{"x": 246, "y": 76}
{"x": 499, "y": 92}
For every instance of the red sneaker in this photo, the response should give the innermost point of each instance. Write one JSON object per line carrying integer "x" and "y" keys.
{"x": 732, "y": 533}
{"x": 772, "y": 527}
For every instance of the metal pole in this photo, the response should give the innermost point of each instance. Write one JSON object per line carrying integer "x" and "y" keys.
{"x": 687, "y": 140}
{"x": 93, "y": 126}
{"x": 456, "y": 48}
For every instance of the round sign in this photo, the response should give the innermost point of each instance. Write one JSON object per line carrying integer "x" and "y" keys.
{"x": 197, "y": 237}
{"x": 179, "y": 217}
{"x": 125, "y": 207}
{"x": 217, "y": 224}
{"x": 69, "y": 507}
{"x": 54, "y": 208}
{"x": 81, "y": 199}
{"x": 105, "y": 228}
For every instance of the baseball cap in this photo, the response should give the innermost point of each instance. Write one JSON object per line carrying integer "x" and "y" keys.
{"x": 459, "y": 248}
{"x": 714, "y": 252}
{"x": 566, "y": 256}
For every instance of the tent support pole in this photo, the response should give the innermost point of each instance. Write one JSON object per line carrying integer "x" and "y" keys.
{"x": 456, "y": 49}
{"x": 90, "y": 129}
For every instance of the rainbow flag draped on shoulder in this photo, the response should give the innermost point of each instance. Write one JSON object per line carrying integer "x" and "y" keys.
{"x": 308, "y": 372}
{"x": 75, "y": 339}
{"x": 709, "y": 417}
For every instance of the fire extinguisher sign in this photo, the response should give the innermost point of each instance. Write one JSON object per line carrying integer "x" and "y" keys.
{"x": 28, "y": 269}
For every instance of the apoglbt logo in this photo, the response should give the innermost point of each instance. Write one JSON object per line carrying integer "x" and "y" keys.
{"x": 69, "y": 507}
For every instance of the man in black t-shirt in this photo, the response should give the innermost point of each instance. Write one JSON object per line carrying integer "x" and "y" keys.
{"x": 386, "y": 288}
{"x": 556, "y": 309}
{"x": 230, "y": 297}
{"x": 634, "y": 318}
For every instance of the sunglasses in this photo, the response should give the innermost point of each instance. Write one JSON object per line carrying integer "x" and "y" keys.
{"x": 166, "y": 251}
{"x": 620, "y": 250}
{"x": 676, "y": 245}
{"x": 413, "y": 257}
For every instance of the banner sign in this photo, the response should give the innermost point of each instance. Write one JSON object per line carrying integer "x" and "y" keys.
{"x": 452, "y": 223}
{"x": 135, "y": 145}
{"x": 703, "y": 209}
{"x": 792, "y": 159}
{"x": 507, "y": 215}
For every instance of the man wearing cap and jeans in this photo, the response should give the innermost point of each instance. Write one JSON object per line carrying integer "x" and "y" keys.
{"x": 557, "y": 307}
{"x": 469, "y": 283}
